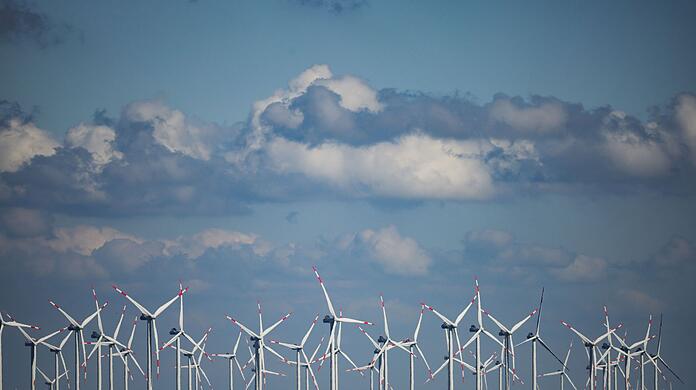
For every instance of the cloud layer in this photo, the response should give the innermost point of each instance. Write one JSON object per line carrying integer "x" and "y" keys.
{"x": 328, "y": 135}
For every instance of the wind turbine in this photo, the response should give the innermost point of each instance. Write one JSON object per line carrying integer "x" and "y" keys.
{"x": 78, "y": 331}
{"x": 263, "y": 372}
{"x": 127, "y": 353}
{"x": 629, "y": 353}
{"x": 333, "y": 345}
{"x": 381, "y": 346}
{"x": 300, "y": 353}
{"x": 387, "y": 343}
{"x": 190, "y": 355}
{"x": 259, "y": 342}
{"x": 196, "y": 364}
{"x": 33, "y": 344}
{"x": 176, "y": 336}
{"x": 477, "y": 330}
{"x": 507, "y": 333}
{"x": 13, "y": 324}
{"x": 535, "y": 338}
{"x": 58, "y": 355}
{"x": 151, "y": 318}
{"x": 52, "y": 383}
{"x": 103, "y": 339}
{"x": 412, "y": 344}
{"x": 451, "y": 334}
{"x": 232, "y": 359}
{"x": 657, "y": 358}
{"x": 591, "y": 345}
{"x": 563, "y": 372}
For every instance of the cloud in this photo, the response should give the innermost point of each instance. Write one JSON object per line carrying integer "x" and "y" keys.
{"x": 327, "y": 135}
{"x": 20, "y": 21}
{"x": 415, "y": 166}
{"x": 173, "y": 130}
{"x": 686, "y": 118}
{"x": 583, "y": 269}
{"x": 20, "y": 141}
{"x": 96, "y": 139}
{"x": 547, "y": 116}
{"x": 676, "y": 253}
{"x": 395, "y": 254}
{"x": 292, "y": 217}
{"x": 84, "y": 239}
{"x": 21, "y": 222}
{"x": 640, "y": 300}
{"x": 335, "y": 6}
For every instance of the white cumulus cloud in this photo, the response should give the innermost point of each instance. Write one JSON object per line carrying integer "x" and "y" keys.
{"x": 20, "y": 141}
{"x": 415, "y": 166}
{"x": 98, "y": 140}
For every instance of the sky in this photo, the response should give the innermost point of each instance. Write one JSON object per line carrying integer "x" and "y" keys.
{"x": 405, "y": 148}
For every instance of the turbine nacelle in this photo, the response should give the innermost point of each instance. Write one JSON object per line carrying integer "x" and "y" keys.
{"x": 530, "y": 335}
{"x": 328, "y": 319}
{"x": 381, "y": 339}
{"x": 173, "y": 331}
{"x": 473, "y": 329}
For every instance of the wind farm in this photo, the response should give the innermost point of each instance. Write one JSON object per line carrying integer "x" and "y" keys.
{"x": 610, "y": 359}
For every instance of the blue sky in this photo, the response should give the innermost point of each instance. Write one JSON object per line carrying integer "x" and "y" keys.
{"x": 403, "y": 147}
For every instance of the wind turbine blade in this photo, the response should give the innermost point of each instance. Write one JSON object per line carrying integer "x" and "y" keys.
{"x": 471, "y": 340}
{"x": 66, "y": 315}
{"x": 171, "y": 340}
{"x": 425, "y": 361}
{"x": 309, "y": 331}
{"x": 130, "y": 339}
{"x": 487, "y": 333}
{"x": 519, "y": 324}
{"x": 605, "y": 335}
{"x": 496, "y": 322}
{"x": 270, "y": 329}
{"x": 582, "y": 336}
{"x": 326, "y": 294}
{"x": 546, "y": 347}
{"x": 242, "y": 327}
{"x": 374, "y": 343}
{"x": 170, "y": 302}
{"x": 541, "y": 302}
{"x": 463, "y": 313}
{"x": 48, "y": 380}
{"x": 309, "y": 367}
{"x": 48, "y": 336}
{"x": 316, "y": 350}
{"x": 236, "y": 344}
{"x": 418, "y": 325}
{"x": 384, "y": 315}
{"x": 440, "y": 316}
{"x": 352, "y": 321}
{"x": 241, "y": 372}
{"x": 138, "y": 306}
{"x": 93, "y": 315}
{"x": 120, "y": 320}
{"x": 670, "y": 369}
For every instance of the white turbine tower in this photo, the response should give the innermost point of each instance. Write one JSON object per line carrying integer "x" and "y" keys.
{"x": 260, "y": 343}
{"x": 300, "y": 355}
{"x": 12, "y": 324}
{"x": 152, "y": 337}
{"x": 78, "y": 332}
{"x": 33, "y": 344}
{"x": 591, "y": 345}
{"x": 563, "y": 372}
{"x": 232, "y": 360}
{"x": 333, "y": 347}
